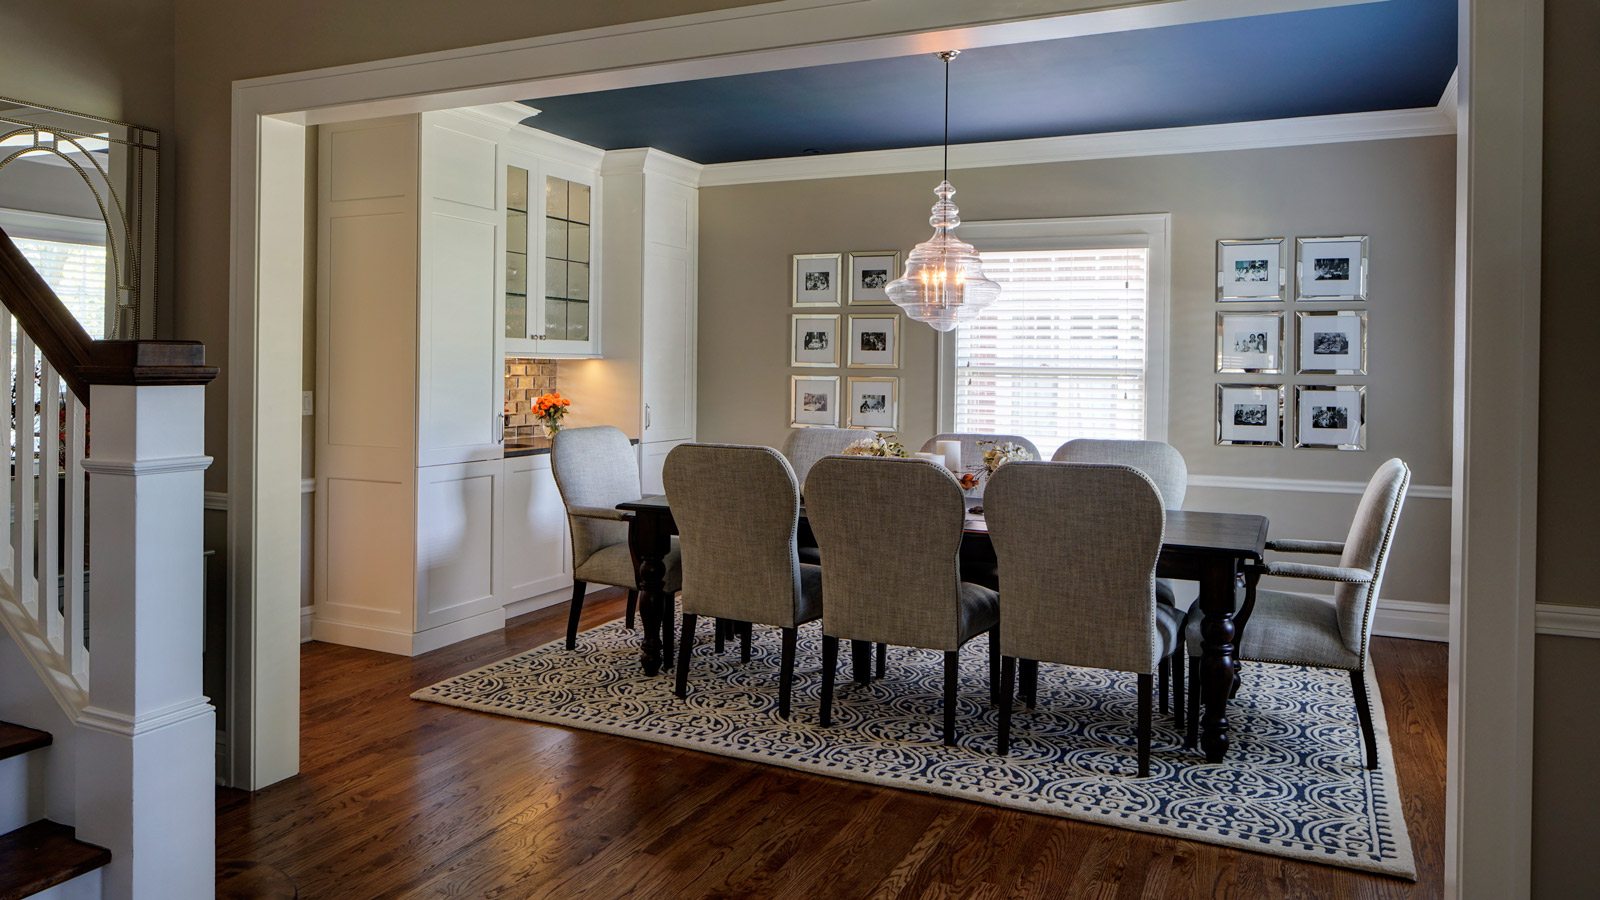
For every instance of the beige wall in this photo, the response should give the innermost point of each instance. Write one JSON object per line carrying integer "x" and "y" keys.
{"x": 1566, "y": 733}
{"x": 1399, "y": 192}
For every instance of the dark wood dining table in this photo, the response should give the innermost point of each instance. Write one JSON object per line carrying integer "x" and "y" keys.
{"x": 1209, "y": 548}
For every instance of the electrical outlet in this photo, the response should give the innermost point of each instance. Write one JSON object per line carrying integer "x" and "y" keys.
{"x": 307, "y": 404}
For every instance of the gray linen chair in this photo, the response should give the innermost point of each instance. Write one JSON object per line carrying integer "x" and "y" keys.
{"x": 972, "y": 446}
{"x": 1164, "y": 465}
{"x": 1077, "y": 545}
{"x": 1304, "y": 630}
{"x": 802, "y": 448}
{"x": 595, "y": 469}
{"x": 890, "y": 530}
{"x": 737, "y": 510}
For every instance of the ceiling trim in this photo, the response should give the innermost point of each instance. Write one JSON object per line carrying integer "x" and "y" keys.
{"x": 1368, "y": 126}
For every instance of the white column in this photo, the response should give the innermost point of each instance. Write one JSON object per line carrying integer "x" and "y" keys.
{"x": 146, "y": 755}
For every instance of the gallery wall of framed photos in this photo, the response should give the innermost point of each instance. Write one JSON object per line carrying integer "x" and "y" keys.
{"x": 1292, "y": 326}
{"x": 863, "y": 335}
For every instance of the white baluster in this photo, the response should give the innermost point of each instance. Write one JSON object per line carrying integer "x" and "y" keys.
{"x": 75, "y": 653}
{"x": 22, "y": 481}
{"x": 49, "y": 549}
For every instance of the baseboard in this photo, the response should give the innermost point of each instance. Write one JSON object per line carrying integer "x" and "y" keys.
{"x": 305, "y": 624}
{"x": 534, "y": 604}
{"x": 1412, "y": 620}
{"x": 403, "y": 643}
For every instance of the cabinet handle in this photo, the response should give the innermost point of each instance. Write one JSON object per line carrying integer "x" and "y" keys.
{"x": 647, "y": 416}
{"x": 499, "y": 428}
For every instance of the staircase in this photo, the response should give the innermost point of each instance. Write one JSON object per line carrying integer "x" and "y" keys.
{"x": 107, "y": 789}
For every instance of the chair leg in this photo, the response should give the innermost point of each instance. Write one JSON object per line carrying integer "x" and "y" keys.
{"x": 861, "y": 661}
{"x": 883, "y": 659}
{"x": 1191, "y": 735}
{"x": 1144, "y": 725}
{"x": 684, "y": 649}
{"x": 786, "y": 672}
{"x": 573, "y": 612}
{"x": 1163, "y": 668}
{"x": 830, "y": 662}
{"x": 745, "y": 628}
{"x": 667, "y": 634}
{"x": 994, "y": 665}
{"x": 1030, "y": 682}
{"x": 1358, "y": 686}
{"x": 952, "y": 674}
{"x": 722, "y": 634}
{"x": 633, "y": 604}
{"x": 1179, "y": 667}
{"x": 1008, "y": 684}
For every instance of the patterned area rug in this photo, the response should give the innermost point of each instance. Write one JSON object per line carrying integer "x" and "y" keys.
{"x": 1293, "y": 785}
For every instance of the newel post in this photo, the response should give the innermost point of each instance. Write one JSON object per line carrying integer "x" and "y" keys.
{"x": 146, "y": 759}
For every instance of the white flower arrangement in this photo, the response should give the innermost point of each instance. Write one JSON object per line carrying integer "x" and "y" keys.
{"x": 998, "y": 453}
{"x": 878, "y": 445}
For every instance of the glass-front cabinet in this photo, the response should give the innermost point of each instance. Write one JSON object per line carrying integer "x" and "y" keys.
{"x": 551, "y": 290}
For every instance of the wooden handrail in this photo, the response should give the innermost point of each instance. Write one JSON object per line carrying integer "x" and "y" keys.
{"x": 81, "y": 360}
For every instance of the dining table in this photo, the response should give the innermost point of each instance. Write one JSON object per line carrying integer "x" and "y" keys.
{"x": 1212, "y": 549}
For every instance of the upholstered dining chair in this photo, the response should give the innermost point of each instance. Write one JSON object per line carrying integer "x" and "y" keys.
{"x": 802, "y": 448}
{"x": 972, "y": 446}
{"x": 1077, "y": 546}
{"x": 1304, "y": 630}
{"x": 737, "y": 510}
{"x": 890, "y": 531}
{"x": 595, "y": 469}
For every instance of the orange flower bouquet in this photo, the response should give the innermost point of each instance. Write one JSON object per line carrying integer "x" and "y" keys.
{"x": 549, "y": 409}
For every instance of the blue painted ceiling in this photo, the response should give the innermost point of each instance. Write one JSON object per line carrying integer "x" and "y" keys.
{"x": 1395, "y": 54}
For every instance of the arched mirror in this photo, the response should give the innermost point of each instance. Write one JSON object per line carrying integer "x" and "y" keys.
{"x": 78, "y": 196}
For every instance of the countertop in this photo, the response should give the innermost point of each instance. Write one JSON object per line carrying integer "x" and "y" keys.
{"x": 521, "y": 443}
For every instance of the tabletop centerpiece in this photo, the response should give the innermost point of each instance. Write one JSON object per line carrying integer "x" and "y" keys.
{"x": 550, "y": 409}
{"x": 882, "y": 445}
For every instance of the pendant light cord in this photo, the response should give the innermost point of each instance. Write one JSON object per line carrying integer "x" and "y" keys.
{"x": 947, "y": 118}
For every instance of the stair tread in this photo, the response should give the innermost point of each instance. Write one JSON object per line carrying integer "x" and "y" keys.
{"x": 42, "y": 855}
{"x": 18, "y": 739}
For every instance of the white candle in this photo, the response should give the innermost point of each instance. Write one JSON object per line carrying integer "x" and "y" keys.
{"x": 951, "y": 451}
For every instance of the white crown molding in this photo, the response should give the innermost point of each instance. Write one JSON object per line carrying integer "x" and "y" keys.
{"x": 1450, "y": 100}
{"x": 508, "y": 117}
{"x": 1308, "y": 486}
{"x": 650, "y": 161}
{"x": 1369, "y": 126}
{"x": 1567, "y": 621}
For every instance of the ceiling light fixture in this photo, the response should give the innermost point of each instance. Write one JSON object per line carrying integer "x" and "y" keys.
{"x": 944, "y": 284}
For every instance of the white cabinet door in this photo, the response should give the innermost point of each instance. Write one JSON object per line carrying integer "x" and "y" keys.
{"x": 652, "y": 457}
{"x": 668, "y": 355}
{"x": 537, "y": 557}
{"x": 457, "y": 541}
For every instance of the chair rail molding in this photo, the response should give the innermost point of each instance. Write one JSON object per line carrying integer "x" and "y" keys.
{"x": 1308, "y": 486}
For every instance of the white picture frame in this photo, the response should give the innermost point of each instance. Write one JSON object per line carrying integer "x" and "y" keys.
{"x": 813, "y": 401}
{"x": 873, "y": 402}
{"x": 1250, "y": 343}
{"x": 1252, "y": 270}
{"x": 1331, "y": 269}
{"x": 874, "y": 342}
{"x": 1332, "y": 342}
{"x": 1250, "y": 415}
{"x": 870, "y": 272}
{"x": 814, "y": 341}
{"x": 816, "y": 279}
{"x": 1330, "y": 416}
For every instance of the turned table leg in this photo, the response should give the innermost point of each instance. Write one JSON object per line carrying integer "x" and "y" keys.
{"x": 649, "y": 539}
{"x": 1217, "y": 664}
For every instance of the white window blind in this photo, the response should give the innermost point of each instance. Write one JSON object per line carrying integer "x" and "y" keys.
{"x": 1062, "y": 353}
{"x": 76, "y": 272}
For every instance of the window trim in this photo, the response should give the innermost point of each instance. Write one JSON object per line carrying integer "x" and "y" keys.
{"x": 1151, "y": 230}
{"x": 23, "y": 223}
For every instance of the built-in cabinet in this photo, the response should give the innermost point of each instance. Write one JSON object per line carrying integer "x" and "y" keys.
{"x": 552, "y": 273}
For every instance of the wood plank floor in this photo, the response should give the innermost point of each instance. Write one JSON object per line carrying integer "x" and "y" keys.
{"x": 398, "y": 798}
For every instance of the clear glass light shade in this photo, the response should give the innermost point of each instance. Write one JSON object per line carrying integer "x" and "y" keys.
{"x": 943, "y": 284}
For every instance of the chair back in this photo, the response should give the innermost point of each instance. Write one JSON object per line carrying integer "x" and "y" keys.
{"x": 1157, "y": 459}
{"x": 890, "y": 533}
{"x": 972, "y": 447}
{"x": 595, "y": 468}
{"x": 1367, "y": 547}
{"x": 1077, "y": 546}
{"x": 804, "y": 446}
{"x": 736, "y": 508}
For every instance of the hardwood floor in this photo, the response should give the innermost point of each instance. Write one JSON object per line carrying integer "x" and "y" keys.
{"x": 398, "y": 798}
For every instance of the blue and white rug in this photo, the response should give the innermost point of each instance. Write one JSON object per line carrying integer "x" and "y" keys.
{"x": 1293, "y": 784}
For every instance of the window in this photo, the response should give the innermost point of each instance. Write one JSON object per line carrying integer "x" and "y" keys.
{"x": 1075, "y": 346}
{"x": 70, "y": 257}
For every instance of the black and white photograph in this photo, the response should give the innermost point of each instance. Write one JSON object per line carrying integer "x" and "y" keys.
{"x": 1250, "y": 415}
{"x": 1331, "y": 269}
{"x": 814, "y": 341}
{"x": 874, "y": 403}
{"x": 816, "y": 280}
{"x": 813, "y": 401}
{"x": 1332, "y": 342}
{"x": 1331, "y": 417}
{"x": 1250, "y": 342}
{"x": 874, "y": 342}
{"x": 1251, "y": 269}
{"x": 870, "y": 273}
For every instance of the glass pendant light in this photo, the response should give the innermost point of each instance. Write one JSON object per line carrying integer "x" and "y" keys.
{"x": 944, "y": 284}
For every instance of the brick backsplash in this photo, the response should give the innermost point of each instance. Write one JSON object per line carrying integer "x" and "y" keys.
{"x": 526, "y": 379}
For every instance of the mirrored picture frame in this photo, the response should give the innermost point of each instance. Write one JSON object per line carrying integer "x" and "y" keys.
{"x": 1252, "y": 270}
{"x": 813, "y": 401}
{"x": 875, "y": 342}
{"x": 1250, "y": 343}
{"x": 814, "y": 341}
{"x": 874, "y": 402}
{"x": 1250, "y": 415}
{"x": 1331, "y": 269}
{"x": 816, "y": 280}
{"x": 1331, "y": 342}
{"x": 870, "y": 272}
{"x": 1330, "y": 416}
